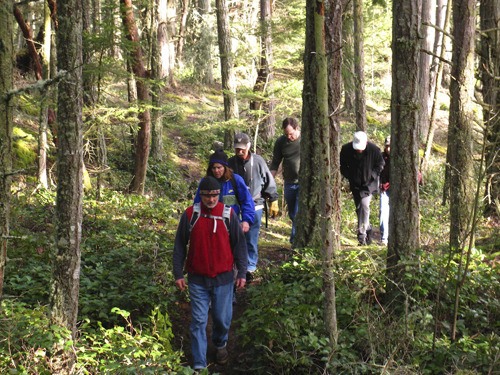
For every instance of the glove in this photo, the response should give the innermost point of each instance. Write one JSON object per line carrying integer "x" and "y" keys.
{"x": 274, "y": 209}
{"x": 385, "y": 186}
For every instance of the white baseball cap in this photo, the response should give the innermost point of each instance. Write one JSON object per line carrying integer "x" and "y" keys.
{"x": 359, "y": 141}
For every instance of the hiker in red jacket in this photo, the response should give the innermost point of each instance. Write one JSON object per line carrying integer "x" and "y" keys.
{"x": 216, "y": 244}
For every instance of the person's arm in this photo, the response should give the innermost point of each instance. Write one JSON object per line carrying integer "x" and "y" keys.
{"x": 180, "y": 251}
{"x": 378, "y": 163}
{"x": 277, "y": 158}
{"x": 344, "y": 164}
{"x": 269, "y": 189}
{"x": 247, "y": 206}
{"x": 239, "y": 248}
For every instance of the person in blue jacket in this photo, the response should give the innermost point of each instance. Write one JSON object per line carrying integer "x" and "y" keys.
{"x": 234, "y": 191}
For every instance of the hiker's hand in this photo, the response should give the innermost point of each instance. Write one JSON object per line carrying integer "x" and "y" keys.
{"x": 240, "y": 283}
{"x": 181, "y": 284}
{"x": 245, "y": 227}
{"x": 274, "y": 209}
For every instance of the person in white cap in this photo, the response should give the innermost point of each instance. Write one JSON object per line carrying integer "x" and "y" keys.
{"x": 384, "y": 193}
{"x": 361, "y": 162}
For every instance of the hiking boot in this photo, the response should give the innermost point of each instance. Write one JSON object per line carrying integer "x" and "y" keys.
{"x": 222, "y": 355}
{"x": 369, "y": 237}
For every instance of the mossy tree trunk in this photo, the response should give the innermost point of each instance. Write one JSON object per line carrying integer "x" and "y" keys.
{"x": 461, "y": 120}
{"x": 317, "y": 225}
{"x": 6, "y": 74}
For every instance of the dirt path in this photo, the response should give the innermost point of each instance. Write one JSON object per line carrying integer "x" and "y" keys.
{"x": 270, "y": 256}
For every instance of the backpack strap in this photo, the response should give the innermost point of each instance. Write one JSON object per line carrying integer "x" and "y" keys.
{"x": 226, "y": 216}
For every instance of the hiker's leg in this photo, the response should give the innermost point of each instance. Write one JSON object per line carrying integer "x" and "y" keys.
{"x": 200, "y": 297}
{"x": 252, "y": 237}
{"x": 292, "y": 202}
{"x": 222, "y": 313}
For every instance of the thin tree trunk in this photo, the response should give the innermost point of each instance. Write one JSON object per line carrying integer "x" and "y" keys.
{"x": 435, "y": 87}
{"x": 265, "y": 76}
{"x": 144, "y": 134}
{"x": 181, "y": 37}
{"x": 226, "y": 62}
{"x": 359, "y": 62}
{"x": 461, "y": 121}
{"x": 6, "y": 84}
{"x": 490, "y": 72}
{"x": 66, "y": 259}
{"x": 203, "y": 59}
{"x": 348, "y": 57}
{"x": 28, "y": 37}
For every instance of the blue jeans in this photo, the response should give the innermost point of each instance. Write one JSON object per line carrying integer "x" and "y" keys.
{"x": 292, "y": 202}
{"x": 384, "y": 215}
{"x": 252, "y": 237}
{"x": 222, "y": 313}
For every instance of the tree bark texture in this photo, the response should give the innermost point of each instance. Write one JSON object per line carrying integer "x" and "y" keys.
{"x": 6, "y": 74}
{"x": 226, "y": 63}
{"x": 66, "y": 260}
{"x": 316, "y": 217}
{"x": 404, "y": 224}
{"x": 461, "y": 119}
{"x": 490, "y": 73}
{"x": 144, "y": 134}
{"x": 359, "y": 63}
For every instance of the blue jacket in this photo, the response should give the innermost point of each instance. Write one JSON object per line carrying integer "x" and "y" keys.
{"x": 242, "y": 203}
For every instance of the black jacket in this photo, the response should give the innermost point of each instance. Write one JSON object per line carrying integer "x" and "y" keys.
{"x": 362, "y": 169}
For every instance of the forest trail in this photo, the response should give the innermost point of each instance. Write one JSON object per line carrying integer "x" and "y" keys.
{"x": 269, "y": 256}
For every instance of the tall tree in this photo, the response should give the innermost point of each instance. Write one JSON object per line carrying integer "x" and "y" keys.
{"x": 359, "y": 62}
{"x": 159, "y": 70}
{"x": 428, "y": 18}
{"x": 334, "y": 42}
{"x": 203, "y": 57}
{"x": 490, "y": 77}
{"x": 263, "y": 85}
{"x": 66, "y": 259}
{"x": 348, "y": 56}
{"x": 461, "y": 122}
{"x": 318, "y": 221}
{"x": 404, "y": 223}
{"x": 227, "y": 69}
{"x": 141, "y": 152}
{"x": 6, "y": 79}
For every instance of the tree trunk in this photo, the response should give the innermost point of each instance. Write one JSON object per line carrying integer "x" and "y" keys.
{"x": 44, "y": 106}
{"x": 6, "y": 84}
{"x": 263, "y": 85}
{"x": 461, "y": 121}
{"x": 66, "y": 260}
{"x": 404, "y": 222}
{"x": 334, "y": 44}
{"x": 490, "y": 71}
{"x": 144, "y": 134}
{"x": 359, "y": 62}
{"x": 428, "y": 17}
{"x": 159, "y": 68}
{"x": 348, "y": 57}
{"x": 226, "y": 64}
{"x": 203, "y": 59}
{"x": 435, "y": 89}
{"x": 182, "y": 31}
{"x": 28, "y": 37}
